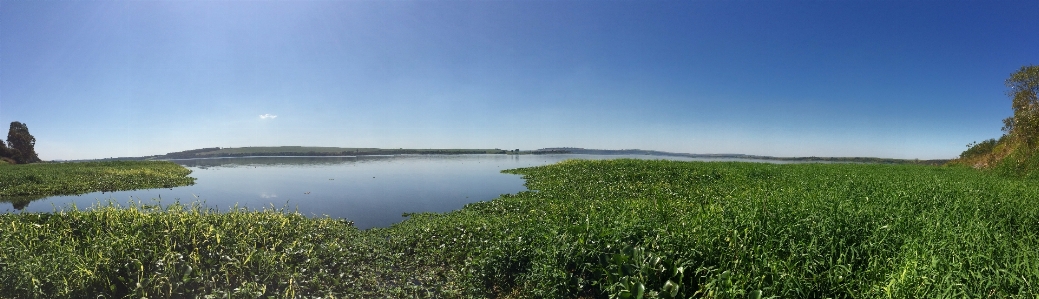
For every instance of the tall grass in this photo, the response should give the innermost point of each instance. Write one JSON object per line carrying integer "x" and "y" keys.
{"x": 591, "y": 229}
{"x": 176, "y": 251}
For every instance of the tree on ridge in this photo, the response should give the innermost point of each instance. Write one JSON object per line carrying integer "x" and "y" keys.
{"x": 1017, "y": 151}
{"x": 1024, "y": 124}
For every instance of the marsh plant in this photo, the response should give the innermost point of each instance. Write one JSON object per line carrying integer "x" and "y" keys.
{"x": 586, "y": 229}
{"x": 22, "y": 183}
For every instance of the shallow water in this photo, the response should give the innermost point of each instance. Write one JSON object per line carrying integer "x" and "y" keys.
{"x": 372, "y": 191}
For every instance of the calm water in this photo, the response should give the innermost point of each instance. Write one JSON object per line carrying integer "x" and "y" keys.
{"x": 371, "y": 191}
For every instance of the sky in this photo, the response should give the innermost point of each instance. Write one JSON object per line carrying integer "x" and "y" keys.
{"x": 892, "y": 79}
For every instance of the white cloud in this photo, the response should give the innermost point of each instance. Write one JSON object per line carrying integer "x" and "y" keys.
{"x": 267, "y": 116}
{"x": 268, "y": 195}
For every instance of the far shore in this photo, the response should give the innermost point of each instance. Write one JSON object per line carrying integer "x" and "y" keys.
{"x": 301, "y": 151}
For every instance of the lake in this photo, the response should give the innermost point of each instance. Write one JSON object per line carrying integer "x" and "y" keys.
{"x": 372, "y": 191}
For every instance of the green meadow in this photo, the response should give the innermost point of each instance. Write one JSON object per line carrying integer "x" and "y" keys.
{"x": 587, "y": 229}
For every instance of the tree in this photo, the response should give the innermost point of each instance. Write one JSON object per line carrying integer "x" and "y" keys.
{"x": 1024, "y": 124}
{"x": 6, "y": 154}
{"x": 976, "y": 149}
{"x": 19, "y": 139}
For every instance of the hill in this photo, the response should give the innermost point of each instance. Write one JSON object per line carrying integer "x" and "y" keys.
{"x": 314, "y": 151}
{"x": 305, "y": 151}
{"x": 584, "y": 151}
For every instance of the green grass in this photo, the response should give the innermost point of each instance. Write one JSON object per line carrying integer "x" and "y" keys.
{"x": 48, "y": 179}
{"x": 140, "y": 250}
{"x": 591, "y": 229}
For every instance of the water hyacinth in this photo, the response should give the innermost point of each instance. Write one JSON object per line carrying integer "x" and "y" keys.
{"x": 587, "y": 229}
{"x": 48, "y": 179}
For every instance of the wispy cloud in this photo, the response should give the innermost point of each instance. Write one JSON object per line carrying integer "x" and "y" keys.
{"x": 268, "y": 195}
{"x": 267, "y": 116}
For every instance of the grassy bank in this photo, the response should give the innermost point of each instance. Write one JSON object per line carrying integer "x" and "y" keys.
{"x": 22, "y": 183}
{"x": 592, "y": 229}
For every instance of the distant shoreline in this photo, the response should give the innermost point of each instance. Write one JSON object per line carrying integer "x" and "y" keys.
{"x": 300, "y": 151}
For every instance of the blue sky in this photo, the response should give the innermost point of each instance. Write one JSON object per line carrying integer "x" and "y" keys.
{"x": 900, "y": 79}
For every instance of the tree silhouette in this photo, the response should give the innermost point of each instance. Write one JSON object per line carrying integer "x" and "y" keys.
{"x": 4, "y": 151}
{"x": 22, "y": 144}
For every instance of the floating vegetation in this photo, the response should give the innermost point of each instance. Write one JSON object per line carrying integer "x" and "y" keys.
{"x": 22, "y": 182}
{"x": 589, "y": 229}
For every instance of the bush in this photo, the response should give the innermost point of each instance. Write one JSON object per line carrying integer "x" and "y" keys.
{"x": 977, "y": 149}
{"x": 1013, "y": 154}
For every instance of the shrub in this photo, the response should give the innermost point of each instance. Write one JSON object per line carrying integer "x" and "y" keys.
{"x": 977, "y": 149}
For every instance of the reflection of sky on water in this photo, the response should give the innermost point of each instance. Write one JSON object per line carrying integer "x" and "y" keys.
{"x": 371, "y": 191}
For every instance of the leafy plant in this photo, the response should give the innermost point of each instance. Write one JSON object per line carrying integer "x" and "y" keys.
{"x": 586, "y": 229}
{"x": 48, "y": 179}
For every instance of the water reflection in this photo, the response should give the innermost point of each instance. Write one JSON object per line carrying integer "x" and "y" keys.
{"x": 20, "y": 202}
{"x": 372, "y": 191}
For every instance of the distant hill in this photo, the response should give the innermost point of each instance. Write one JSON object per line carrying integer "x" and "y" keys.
{"x": 313, "y": 151}
{"x": 575, "y": 150}
{"x": 303, "y": 151}
{"x": 270, "y": 151}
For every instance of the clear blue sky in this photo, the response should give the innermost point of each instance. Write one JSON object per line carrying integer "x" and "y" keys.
{"x": 900, "y": 79}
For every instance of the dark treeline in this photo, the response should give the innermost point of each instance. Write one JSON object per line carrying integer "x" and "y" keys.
{"x": 872, "y": 160}
{"x": 298, "y": 151}
{"x": 322, "y": 154}
{"x": 207, "y": 153}
{"x": 20, "y": 147}
{"x": 190, "y": 153}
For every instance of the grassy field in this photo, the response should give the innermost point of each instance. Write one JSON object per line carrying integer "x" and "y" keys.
{"x": 591, "y": 229}
{"x": 25, "y": 182}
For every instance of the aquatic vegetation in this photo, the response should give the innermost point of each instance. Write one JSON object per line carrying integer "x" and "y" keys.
{"x": 668, "y": 229}
{"x": 47, "y": 179}
{"x": 23, "y": 183}
{"x": 590, "y": 229}
{"x": 175, "y": 250}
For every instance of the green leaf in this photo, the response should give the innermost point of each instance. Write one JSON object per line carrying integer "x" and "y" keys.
{"x": 671, "y": 289}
